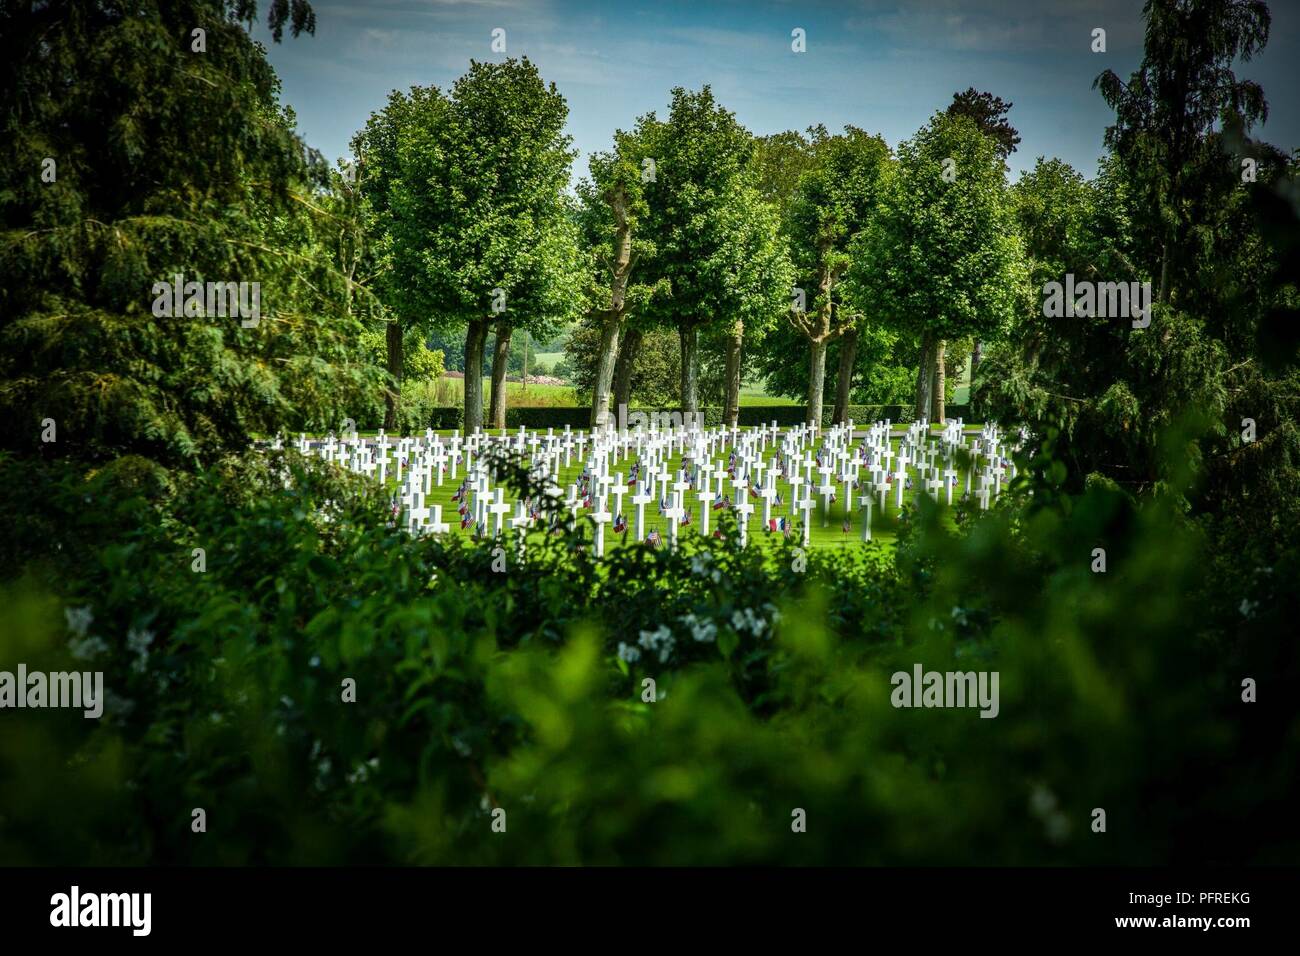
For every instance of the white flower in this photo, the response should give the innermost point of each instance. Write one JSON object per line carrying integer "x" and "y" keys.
{"x": 362, "y": 771}
{"x": 627, "y": 652}
{"x": 1042, "y": 801}
{"x": 90, "y": 647}
{"x": 704, "y": 631}
{"x": 138, "y": 641}
{"x": 659, "y": 641}
{"x": 746, "y": 620}
{"x": 79, "y": 619}
{"x": 1247, "y": 607}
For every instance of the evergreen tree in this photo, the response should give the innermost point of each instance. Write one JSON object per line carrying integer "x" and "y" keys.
{"x": 145, "y": 145}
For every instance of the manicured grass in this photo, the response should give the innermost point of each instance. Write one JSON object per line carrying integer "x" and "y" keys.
{"x": 565, "y": 396}
{"x": 826, "y": 531}
{"x": 519, "y": 395}
{"x": 756, "y": 395}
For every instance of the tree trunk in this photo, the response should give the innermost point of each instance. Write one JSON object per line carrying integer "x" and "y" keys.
{"x": 923, "y": 378}
{"x": 620, "y": 274}
{"x": 731, "y": 414}
{"x": 396, "y": 359}
{"x": 976, "y": 354}
{"x": 940, "y": 381}
{"x": 523, "y": 378}
{"x": 605, "y": 363}
{"x": 475, "y": 341}
{"x": 816, "y": 381}
{"x": 500, "y": 365}
{"x": 844, "y": 375}
{"x": 624, "y": 365}
{"x": 690, "y": 339}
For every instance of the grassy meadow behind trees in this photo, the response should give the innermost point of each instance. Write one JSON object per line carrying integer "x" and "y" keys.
{"x": 331, "y": 690}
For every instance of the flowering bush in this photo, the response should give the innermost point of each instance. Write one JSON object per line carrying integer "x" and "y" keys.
{"x": 526, "y": 690}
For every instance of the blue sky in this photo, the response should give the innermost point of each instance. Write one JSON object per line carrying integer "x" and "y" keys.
{"x": 883, "y": 66}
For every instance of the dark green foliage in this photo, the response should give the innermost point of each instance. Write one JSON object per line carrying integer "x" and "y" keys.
{"x": 1177, "y": 204}
{"x": 166, "y": 161}
{"x": 229, "y": 594}
{"x": 990, "y": 114}
{"x": 478, "y": 687}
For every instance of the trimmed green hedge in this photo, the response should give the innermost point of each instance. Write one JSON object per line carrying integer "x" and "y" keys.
{"x": 750, "y": 415}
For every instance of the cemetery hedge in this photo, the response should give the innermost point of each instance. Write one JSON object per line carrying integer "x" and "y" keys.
{"x": 477, "y": 689}
{"x": 786, "y": 416}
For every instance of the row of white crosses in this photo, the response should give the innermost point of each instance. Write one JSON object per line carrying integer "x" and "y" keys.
{"x": 715, "y": 464}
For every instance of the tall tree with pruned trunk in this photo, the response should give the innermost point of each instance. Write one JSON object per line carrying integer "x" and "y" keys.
{"x": 700, "y": 224}
{"x": 834, "y": 201}
{"x": 478, "y": 229}
{"x": 942, "y": 256}
{"x": 611, "y": 211}
{"x": 989, "y": 113}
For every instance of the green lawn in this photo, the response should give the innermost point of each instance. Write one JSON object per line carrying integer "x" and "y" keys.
{"x": 546, "y": 360}
{"x": 827, "y": 527}
{"x": 754, "y": 394}
{"x": 564, "y": 396}
{"x": 519, "y": 395}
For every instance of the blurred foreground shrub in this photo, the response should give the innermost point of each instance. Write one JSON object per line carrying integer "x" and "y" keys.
{"x": 494, "y": 689}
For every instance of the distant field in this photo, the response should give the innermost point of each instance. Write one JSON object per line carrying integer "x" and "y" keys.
{"x": 547, "y": 361}
{"x": 564, "y": 396}
{"x": 755, "y": 394}
{"x": 519, "y": 395}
